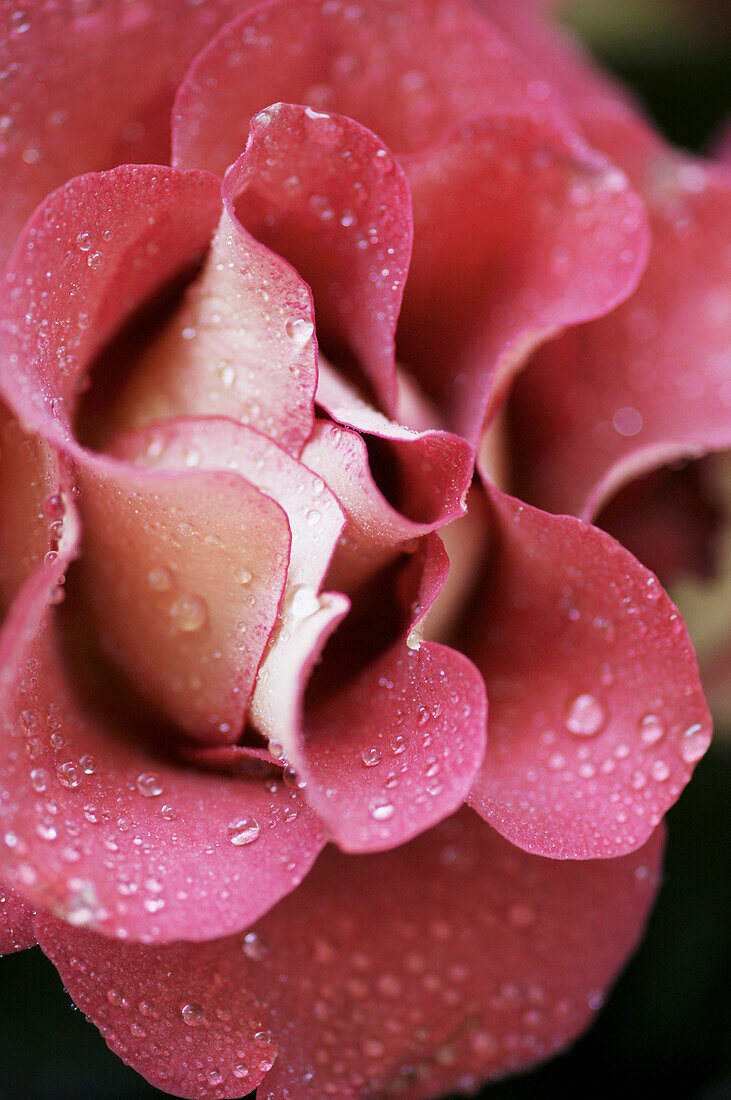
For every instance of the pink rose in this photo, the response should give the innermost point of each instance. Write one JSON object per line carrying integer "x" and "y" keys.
{"x": 234, "y": 643}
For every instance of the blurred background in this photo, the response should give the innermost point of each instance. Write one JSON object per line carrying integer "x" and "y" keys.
{"x": 666, "y": 1029}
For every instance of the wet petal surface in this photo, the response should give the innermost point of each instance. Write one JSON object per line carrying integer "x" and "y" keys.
{"x": 597, "y": 717}
{"x": 428, "y": 969}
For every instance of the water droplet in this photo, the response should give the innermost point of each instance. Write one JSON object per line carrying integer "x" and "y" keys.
{"x": 39, "y": 779}
{"x": 149, "y": 785}
{"x": 243, "y": 576}
{"x": 83, "y": 241}
{"x": 189, "y": 613}
{"x": 371, "y": 756}
{"x": 193, "y": 1014}
{"x": 313, "y": 517}
{"x": 54, "y": 506}
{"x": 651, "y": 729}
{"x": 69, "y": 774}
{"x": 398, "y": 744}
{"x": 254, "y": 947}
{"x": 382, "y": 809}
{"x": 586, "y": 716}
{"x": 88, "y": 763}
{"x": 299, "y": 329}
{"x": 373, "y": 1048}
{"x": 243, "y": 830}
{"x": 322, "y": 128}
{"x": 660, "y": 771}
{"x": 382, "y": 161}
{"x": 292, "y": 779}
{"x": 694, "y": 743}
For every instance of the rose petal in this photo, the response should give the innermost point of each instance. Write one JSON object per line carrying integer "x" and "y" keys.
{"x": 430, "y": 968}
{"x": 321, "y": 190}
{"x": 314, "y": 516}
{"x": 519, "y": 230}
{"x": 433, "y": 474}
{"x": 104, "y": 833}
{"x": 407, "y": 71}
{"x": 597, "y": 716}
{"x": 453, "y": 65}
{"x": 88, "y": 87}
{"x": 650, "y": 383}
{"x": 118, "y": 237}
{"x": 240, "y": 346}
{"x": 164, "y": 558}
{"x": 17, "y": 920}
{"x": 34, "y": 491}
{"x": 556, "y": 55}
{"x": 396, "y": 747}
{"x": 313, "y": 513}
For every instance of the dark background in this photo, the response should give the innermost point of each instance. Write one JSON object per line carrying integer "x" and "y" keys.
{"x": 666, "y": 1029}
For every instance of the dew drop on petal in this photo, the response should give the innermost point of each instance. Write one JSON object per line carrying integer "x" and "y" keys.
{"x": 586, "y": 716}
{"x": 243, "y": 830}
{"x": 660, "y": 771}
{"x": 371, "y": 757}
{"x": 292, "y": 779}
{"x": 651, "y": 729}
{"x": 69, "y": 774}
{"x": 193, "y": 1014}
{"x": 149, "y": 785}
{"x": 189, "y": 613}
{"x": 693, "y": 743}
{"x": 382, "y": 809}
{"x": 254, "y": 947}
{"x": 299, "y": 329}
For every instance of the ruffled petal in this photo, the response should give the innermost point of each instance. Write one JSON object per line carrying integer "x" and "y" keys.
{"x": 650, "y": 383}
{"x": 519, "y": 230}
{"x": 408, "y": 71}
{"x": 430, "y": 476}
{"x": 118, "y": 237}
{"x": 104, "y": 833}
{"x": 414, "y": 973}
{"x": 321, "y": 190}
{"x": 413, "y": 73}
{"x": 597, "y": 717}
{"x": 396, "y": 747}
{"x": 17, "y": 922}
{"x": 88, "y": 87}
